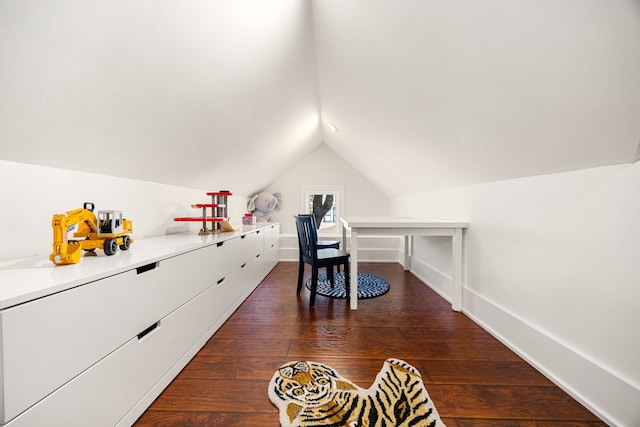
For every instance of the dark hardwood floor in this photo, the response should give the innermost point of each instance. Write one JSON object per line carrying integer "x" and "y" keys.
{"x": 473, "y": 379}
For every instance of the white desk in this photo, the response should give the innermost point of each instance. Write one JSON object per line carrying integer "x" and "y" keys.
{"x": 407, "y": 227}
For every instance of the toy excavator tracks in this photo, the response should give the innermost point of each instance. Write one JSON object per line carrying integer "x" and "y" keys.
{"x": 218, "y": 218}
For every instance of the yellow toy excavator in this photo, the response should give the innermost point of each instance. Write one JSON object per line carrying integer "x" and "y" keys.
{"x": 107, "y": 232}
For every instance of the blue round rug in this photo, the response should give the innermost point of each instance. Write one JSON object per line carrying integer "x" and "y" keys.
{"x": 369, "y": 286}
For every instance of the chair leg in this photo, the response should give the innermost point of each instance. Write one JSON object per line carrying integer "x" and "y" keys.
{"x": 330, "y": 276}
{"x": 300, "y": 274}
{"x": 314, "y": 285}
{"x": 329, "y": 271}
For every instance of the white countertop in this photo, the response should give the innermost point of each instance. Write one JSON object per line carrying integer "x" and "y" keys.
{"x": 26, "y": 279}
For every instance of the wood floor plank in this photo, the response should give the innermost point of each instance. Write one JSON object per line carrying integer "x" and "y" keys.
{"x": 247, "y": 346}
{"x": 395, "y": 346}
{"x": 219, "y": 395}
{"x": 506, "y": 402}
{"x": 461, "y": 422}
{"x": 485, "y": 372}
{"x": 154, "y": 418}
{"x": 226, "y": 366}
{"x": 474, "y": 380}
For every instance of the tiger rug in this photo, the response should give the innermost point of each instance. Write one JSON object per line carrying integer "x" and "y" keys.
{"x": 310, "y": 394}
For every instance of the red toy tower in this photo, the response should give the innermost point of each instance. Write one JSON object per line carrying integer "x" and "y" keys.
{"x": 218, "y": 216}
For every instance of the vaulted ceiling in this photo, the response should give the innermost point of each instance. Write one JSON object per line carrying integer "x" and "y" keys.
{"x": 229, "y": 94}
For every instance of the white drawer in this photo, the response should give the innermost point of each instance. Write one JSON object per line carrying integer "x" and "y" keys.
{"x": 104, "y": 393}
{"x": 253, "y": 273}
{"x": 272, "y": 255}
{"x": 258, "y": 242}
{"x": 235, "y": 286}
{"x": 247, "y": 247}
{"x": 48, "y": 341}
{"x": 271, "y": 236}
{"x": 228, "y": 255}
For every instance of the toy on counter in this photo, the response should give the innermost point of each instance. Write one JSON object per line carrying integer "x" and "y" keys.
{"x": 249, "y": 219}
{"x": 218, "y": 216}
{"x": 261, "y": 205}
{"x": 107, "y": 232}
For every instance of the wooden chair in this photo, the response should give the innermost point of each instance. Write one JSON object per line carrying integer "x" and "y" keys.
{"x": 318, "y": 258}
{"x": 320, "y": 244}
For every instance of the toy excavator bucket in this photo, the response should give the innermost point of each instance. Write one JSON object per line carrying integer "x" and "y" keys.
{"x": 72, "y": 255}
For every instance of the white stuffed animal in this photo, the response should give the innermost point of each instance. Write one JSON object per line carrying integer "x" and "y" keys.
{"x": 261, "y": 205}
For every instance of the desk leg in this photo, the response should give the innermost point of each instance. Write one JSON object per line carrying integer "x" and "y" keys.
{"x": 344, "y": 238}
{"x": 456, "y": 304}
{"x": 354, "y": 269}
{"x": 408, "y": 246}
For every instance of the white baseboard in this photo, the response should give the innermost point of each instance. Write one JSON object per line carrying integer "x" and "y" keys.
{"x": 372, "y": 249}
{"x": 364, "y": 255}
{"x": 440, "y": 282}
{"x": 604, "y": 393}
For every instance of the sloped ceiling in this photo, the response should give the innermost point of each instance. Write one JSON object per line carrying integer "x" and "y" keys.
{"x": 435, "y": 94}
{"x": 229, "y": 94}
{"x": 210, "y": 94}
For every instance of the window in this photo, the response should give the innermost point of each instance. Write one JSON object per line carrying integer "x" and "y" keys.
{"x": 324, "y": 202}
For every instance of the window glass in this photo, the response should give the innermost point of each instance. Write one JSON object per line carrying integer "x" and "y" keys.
{"x": 323, "y": 208}
{"x": 324, "y": 203}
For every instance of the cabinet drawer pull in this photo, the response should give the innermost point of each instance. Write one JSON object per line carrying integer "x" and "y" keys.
{"x": 243, "y": 265}
{"x": 220, "y": 281}
{"x": 219, "y": 244}
{"x": 148, "y": 267}
{"x": 243, "y": 236}
{"x": 148, "y": 330}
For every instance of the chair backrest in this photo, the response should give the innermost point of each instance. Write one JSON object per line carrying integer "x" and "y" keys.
{"x": 307, "y": 237}
{"x": 313, "y": 220}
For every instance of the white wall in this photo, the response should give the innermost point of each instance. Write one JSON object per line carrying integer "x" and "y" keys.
{"x": 30, "y": 195}
{"x": 552, "y": 269}
{"x": 323, "y": 166}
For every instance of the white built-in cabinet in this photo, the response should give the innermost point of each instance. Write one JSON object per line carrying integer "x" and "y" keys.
{"x": 93, "y": 344}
